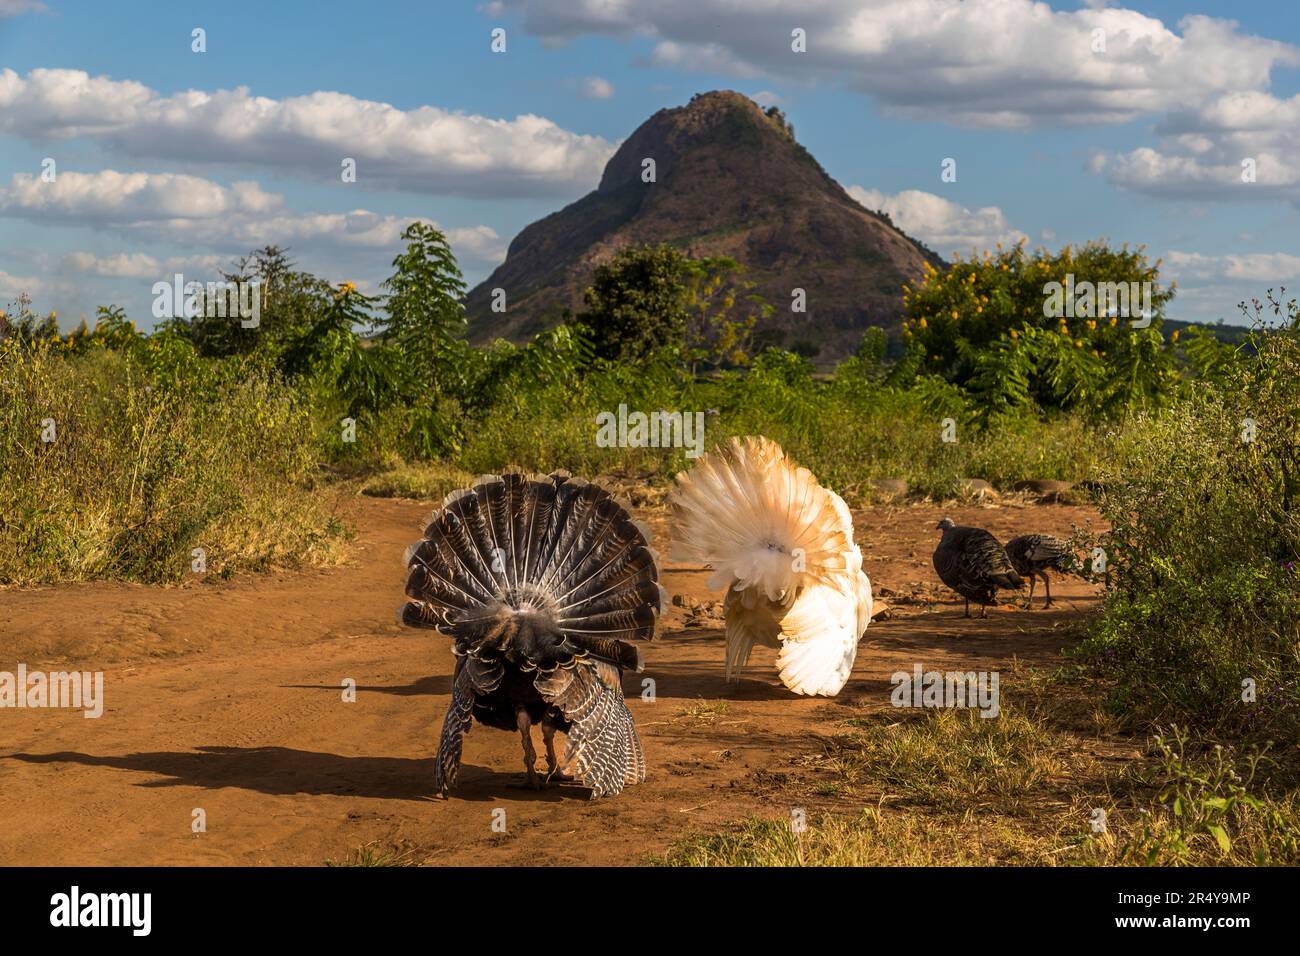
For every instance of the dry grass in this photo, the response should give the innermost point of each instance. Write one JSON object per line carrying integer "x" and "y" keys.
{"x": 430, "y": 481}
{"x": 1039, "y": 785}
{"x": 140, "y": 473}
{"x": 702, "y": 711}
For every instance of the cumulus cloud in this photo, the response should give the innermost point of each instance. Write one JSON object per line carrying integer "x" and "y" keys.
{"x": 426, "y": 149}
{"x": 984, "y": 63}
{"x": 940, "y": 223}
{"x": 1275, "y": 268}
{"x": 197, "y": 211}
{"x": 109, "y": 197}
{"x": 16, "y": 8}
{"x": 12, "y": 286}
{"x": 1201, "y": 152}
{"x": 139, "y": 265}
{"x": 597, "y": 88}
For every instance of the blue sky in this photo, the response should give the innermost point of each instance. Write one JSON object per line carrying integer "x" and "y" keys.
{"x": 170, "y": 160}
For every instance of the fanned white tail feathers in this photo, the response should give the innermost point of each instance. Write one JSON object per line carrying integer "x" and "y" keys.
{"x": 783, "y": 547}
{"x": 760, "y": 520}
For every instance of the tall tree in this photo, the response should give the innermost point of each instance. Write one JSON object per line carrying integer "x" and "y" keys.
{"x": 637, "y": 303}
{"x": 426, "y": 315}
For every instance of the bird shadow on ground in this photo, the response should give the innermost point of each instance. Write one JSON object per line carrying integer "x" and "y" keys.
{"x": 283, "y": 771}
{"x": 435, "y": 685}
{"x": 703, "y": 680}
{"x": 481, "y": 785}
{"x": 272, "y": 770}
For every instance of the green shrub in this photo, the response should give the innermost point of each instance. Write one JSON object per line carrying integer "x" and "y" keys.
{"x": 1204, "y": 547}
{"x": 146, "y": 467}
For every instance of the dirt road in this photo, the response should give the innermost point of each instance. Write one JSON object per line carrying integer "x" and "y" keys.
{"x": 227, "y": 698}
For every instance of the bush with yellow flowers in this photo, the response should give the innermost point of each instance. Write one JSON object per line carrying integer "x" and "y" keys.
{"x": 1014, "y": 327}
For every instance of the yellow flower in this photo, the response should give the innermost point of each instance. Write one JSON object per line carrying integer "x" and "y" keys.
{"x": 1078, "y": 344}
{"x": 1113, "y": 321}
{"x": 1092, "y": 323}
{"x": 1173, "y": 338}
{"x": 954, "y": 313}
{"x": 921, "y": 323}
{"x": 1015, "y": 334}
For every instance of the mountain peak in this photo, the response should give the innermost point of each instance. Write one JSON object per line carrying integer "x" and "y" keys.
{"x": 729, "y": 179}
{"x": 721, "y": 117}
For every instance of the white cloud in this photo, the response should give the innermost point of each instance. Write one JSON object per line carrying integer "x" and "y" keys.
{"x": 11, "y": 287}
{"x": 197, "y": 211}
{"x": 122, "y": 265}
{"x": 940, "y": 223}
{"x": 16, "y": 8}
{"x": 989, "y": 63}
{"x": 597, "y": 88}
{"x": 426, "y": 149}
{"x": 139, "y": 265}
{"x": 1275, "y": 268}
{"x": 110, "y": 197}
{"x": 1201, "y": 152}
{"x": 707, "y": 57}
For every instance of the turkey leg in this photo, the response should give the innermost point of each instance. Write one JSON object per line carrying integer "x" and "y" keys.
{"x": 525, "y": 725}
{"x": 552, "y": 761}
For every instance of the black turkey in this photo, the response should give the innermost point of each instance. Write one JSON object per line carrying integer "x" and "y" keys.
{"x": 1033, "y": 555}
{"x": 541, "y": 582}
{"x": 974, "y": 564}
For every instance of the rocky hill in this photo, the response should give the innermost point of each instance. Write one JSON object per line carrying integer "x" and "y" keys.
{"x": 730, "y": 180}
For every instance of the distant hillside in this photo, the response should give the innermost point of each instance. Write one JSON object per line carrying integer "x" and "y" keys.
{"x": 731, "y": 180}
{"x": 1232, "y": 334}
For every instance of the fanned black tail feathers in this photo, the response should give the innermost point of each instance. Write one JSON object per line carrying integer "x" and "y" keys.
{"x": 551, "y": 577}
{"x": 558, "y": 550}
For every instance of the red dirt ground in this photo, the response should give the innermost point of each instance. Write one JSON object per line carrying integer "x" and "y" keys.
{"x": 227, "y": 697}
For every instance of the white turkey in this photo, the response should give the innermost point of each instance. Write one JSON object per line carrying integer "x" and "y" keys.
{"x": 541, "y": 582}
{"x": 782, "y": 546}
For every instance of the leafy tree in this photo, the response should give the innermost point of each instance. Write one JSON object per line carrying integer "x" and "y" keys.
{"x": 331, "y": 353}
{"x": 991, "y": 327}
{"x": 723, "y": 312}
{"x": 637, "y": 304}
{"x": 867, "y": 364}
{"x": 425, "y": 314}
{"x": 1208, "y": 357}
{"x": 292, "y": 300}
{"x": 554, "y": 356}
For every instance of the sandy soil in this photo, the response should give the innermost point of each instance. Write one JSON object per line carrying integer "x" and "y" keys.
{"x": 227, "y": 697}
